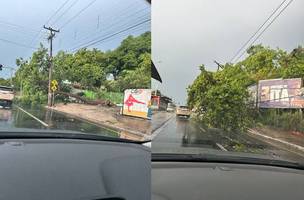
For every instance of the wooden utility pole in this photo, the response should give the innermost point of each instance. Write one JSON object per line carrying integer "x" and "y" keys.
{"x": 50, "y": 39}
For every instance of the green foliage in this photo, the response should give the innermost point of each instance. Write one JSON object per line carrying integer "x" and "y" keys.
{"x": 129, "y": 64}
{"x": 137, "y": 78}
{"x": 5, "y": 82}
{"x": 90, "y": 94}
{"x": 282, "y": 119}
{"x": 221, "y": 98}
{"x": 115, "y": 97}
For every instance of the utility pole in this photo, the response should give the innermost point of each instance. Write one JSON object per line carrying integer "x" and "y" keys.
{"x": 218, "y": 65}
{"x": 50, "y": 39}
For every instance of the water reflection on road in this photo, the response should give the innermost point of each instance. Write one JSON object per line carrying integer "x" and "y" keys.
{"x": 11, "y": 119}
{"x": 188, "y": 136}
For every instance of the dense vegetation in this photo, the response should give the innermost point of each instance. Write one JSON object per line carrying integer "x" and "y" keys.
{"x": 221, "y": 98}
{"x": 128, "y": 66}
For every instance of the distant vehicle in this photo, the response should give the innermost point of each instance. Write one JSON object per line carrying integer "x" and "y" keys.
{"x": 183, "y": 111}
{"x": 170, "y": 107}
{"x": 6, "y": 96}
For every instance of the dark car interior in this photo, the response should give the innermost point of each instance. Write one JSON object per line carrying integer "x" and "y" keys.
{"x": 66, "y": 168}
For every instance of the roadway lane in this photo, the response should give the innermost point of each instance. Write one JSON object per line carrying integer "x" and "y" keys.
{"x": 41, "y": 118}
{"x": 184, "y": 136}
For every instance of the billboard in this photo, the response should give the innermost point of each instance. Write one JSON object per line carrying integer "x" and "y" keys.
{"x": 137, "y": 103}
{"x": 280, "y": 93}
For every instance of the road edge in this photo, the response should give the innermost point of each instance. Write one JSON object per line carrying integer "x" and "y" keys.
{"x": 276, "y": 140}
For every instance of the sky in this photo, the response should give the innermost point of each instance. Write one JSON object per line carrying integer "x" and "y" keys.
{"x": 188, "y": 33}
{"x": 22, "y": 21}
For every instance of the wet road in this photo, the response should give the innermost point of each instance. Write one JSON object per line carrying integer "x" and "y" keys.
{"x": 188, "y": 136}
{"x": 41, "y": 118}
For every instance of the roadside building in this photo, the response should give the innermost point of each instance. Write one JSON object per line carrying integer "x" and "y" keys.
{"x": 159, "y": 101}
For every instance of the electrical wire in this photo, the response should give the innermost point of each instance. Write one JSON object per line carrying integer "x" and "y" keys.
{"x": 271, "y": 22}
{"x": 111, "y": 27}
{"x": 96, "y": 41}
{"x": 77, "y": 14}
{"x": 57, "y": 11}
{"x": 64, "y": 12}
{"x": 17, "y": 44}
{"x": 256, "y": 32}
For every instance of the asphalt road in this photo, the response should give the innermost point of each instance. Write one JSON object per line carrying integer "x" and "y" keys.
{"x": 41, "y": 118}
{"x": 187, "y": 136}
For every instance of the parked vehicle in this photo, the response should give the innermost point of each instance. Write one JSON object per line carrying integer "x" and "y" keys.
{"x": 170, "y": 107}
{"x": 6, "y": 96}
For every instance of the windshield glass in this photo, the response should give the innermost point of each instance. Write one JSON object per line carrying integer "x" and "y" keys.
{"x": 236, "y": 77}
{"x": 82, "y": 66}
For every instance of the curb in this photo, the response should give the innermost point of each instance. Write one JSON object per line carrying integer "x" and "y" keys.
{"x": 288, "y": 144}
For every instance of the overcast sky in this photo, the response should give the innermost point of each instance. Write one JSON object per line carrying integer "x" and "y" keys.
{"x": 22, "y": 20}
{"x": 187, "y": 33}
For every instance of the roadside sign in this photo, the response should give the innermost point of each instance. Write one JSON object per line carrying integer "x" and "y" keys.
{"x": 54, "y": 85}
{"x": 280, "y": 93}
{"x": 137, "y": 103}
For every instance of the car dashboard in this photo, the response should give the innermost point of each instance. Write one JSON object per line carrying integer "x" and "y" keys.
{"x": 210, "y": 181}
{"x": 73, "y": 169}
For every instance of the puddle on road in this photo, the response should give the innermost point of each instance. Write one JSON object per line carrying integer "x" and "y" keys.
{"x": 15, "y": 118}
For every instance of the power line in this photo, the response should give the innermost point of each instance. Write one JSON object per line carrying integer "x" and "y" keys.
{"x": 92, "y": 42}
{"x": 18, "y": 26}
{"x": 110, "y": 27}
{"x": 122, "y": 14}
{"x": 48, "y": 20}
{"x": 109, "y": 32}
{"x": 17, "y": 44}
{"x": 256, "y": 32}
{"x": 271, "y": 22}
{"x": 77, "y": 14}
{"x": 65, "y": 11}
{"x": 55, "y": 13}
{"x": 134, "y": 30}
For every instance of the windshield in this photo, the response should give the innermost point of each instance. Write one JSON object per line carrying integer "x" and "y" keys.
{"x": 80, "y": 66}
{"x": 236, "y": 77}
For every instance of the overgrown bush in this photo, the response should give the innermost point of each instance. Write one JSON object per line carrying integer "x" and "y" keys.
{"x": 283, "y": 119}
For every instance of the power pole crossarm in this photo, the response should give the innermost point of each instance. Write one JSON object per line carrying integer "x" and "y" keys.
{"x": 50, "y": 39}
{"x": 218, "y": 65}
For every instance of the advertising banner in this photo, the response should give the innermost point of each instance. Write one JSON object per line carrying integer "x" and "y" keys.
{"x": 280, "y": 93}
{"x": 137, "y": 103}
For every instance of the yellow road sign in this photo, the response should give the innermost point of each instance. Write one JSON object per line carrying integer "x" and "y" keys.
{"x": 54, "y": 85}
{"x": 54, "y": 82}
{"x": 53, "y": 88}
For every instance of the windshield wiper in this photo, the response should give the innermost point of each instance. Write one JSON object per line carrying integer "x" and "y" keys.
{"x": 214, "y": 158}
{"x": 39, "y": 134}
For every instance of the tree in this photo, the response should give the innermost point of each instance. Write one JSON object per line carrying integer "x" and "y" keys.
{"x": 129, "y": 64}
{"x": 221, "y": 98}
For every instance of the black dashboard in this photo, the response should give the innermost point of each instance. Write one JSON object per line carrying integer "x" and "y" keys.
{"x": 73, "y": 169}
{"x": 216, "y": 181}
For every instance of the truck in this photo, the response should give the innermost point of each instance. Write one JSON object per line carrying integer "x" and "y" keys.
{"x": 6, "y": 96}
{"x": 183, "y": 111}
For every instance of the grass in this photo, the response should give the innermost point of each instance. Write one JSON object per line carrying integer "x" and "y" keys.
{"x": 114, "y": 97}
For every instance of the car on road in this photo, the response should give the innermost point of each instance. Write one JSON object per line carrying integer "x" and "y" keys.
{"x": 6, "y": 96}
{"x": 170, "y": 107}
{"x": 183, "y": 111}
